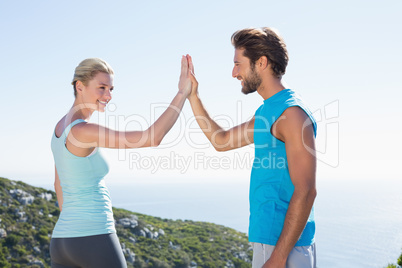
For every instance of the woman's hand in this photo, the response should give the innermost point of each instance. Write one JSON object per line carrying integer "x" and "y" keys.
{"x": 185, "y": 80}
{"x": 194, "y": 82}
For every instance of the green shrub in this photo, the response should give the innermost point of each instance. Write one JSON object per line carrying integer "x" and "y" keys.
{"x": 12, "y": 240}
{"x": 400, "y": 260}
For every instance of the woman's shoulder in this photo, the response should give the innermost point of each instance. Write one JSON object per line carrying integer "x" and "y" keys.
{"x": 64, "y": 123}
{"x": 85, "y": 132}
{"x": 60, "y": 126}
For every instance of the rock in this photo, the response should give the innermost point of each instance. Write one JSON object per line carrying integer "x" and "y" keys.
{"x": 130, "y": 255}
{"x": 161, "y": 232}
{"x": 26, "y": 200}
{"x": 14, "y": 192}
{"x": 131, "y": 258}
{"x": 23, "y": 197}
{"x": 148, "y": 233}
{"x": 37, "y": 262}
{"x": 132, "y": 240}
{"x": 46, "y": 196}
{"x": 242, "y": 255}
{"x": 229, "y": 264}
{"x": 37, "y": 250}
{"x": 3, "y": 233}
{"x": 142, "y": 233}
{"x": 128, "y": 222}
{"x": 175, "y": 247}
{"x": 193, "y": 264}
{"x": 21, "y": 216}
{"x": 155, "y": 234}
{"x": 25, "y": 219}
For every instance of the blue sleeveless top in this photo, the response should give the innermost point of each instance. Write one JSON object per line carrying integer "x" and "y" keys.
{"x": 87, "y": 207}
{"x": 270, "y": 185}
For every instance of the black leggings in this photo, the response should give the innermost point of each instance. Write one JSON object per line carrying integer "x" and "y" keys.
{"x": 95, "y": 251}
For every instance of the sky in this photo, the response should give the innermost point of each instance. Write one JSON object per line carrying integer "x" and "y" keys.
{"x": 345, "y": 61}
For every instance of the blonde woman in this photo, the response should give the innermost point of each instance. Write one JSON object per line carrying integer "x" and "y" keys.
{"x": 85, "y": 235}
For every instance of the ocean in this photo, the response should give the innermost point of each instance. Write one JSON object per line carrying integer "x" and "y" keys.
{"x": 359, "y": 223}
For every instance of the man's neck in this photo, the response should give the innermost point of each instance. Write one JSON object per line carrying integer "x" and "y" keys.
{"x": 270, "y": 87}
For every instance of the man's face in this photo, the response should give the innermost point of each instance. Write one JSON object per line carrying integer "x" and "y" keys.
{"x": 243, "y": 71}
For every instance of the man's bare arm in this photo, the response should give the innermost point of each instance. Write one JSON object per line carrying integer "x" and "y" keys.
{"x": 299, "y": 142}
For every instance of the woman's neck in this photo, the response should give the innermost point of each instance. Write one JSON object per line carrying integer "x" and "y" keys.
{"x": 80, "y": 110}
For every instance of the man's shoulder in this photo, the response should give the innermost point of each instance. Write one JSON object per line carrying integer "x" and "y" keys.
{"x": 295, "y": 112}
{"x": 259, "y": 109}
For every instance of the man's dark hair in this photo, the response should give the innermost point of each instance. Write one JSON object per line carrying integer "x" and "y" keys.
{"x": 258, "y": 42}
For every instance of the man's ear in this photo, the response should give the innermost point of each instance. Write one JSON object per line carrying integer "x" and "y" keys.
{"x": 262, "y": 62}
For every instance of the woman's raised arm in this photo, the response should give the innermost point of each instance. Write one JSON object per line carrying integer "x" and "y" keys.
{"x": 88, "y": 135}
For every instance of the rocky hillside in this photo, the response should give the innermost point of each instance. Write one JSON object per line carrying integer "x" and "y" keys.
{"x": 28, "y": 214}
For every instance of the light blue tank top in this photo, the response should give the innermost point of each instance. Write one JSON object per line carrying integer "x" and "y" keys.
{"x": 87, "y": 207}
{"x": 270, "y": 185}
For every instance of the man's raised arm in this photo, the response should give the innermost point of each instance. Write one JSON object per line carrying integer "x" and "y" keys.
{"x": 222, "y": 140}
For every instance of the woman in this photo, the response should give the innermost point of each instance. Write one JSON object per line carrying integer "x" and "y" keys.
{"x": 84, "y": 235}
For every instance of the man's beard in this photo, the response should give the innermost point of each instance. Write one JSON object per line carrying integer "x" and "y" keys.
{"x": 251, "y": 83}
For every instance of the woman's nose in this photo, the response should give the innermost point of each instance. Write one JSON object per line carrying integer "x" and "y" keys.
{"x": 108, "y": 94}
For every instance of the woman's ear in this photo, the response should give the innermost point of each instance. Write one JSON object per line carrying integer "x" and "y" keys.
{"x": 79, "y": 86}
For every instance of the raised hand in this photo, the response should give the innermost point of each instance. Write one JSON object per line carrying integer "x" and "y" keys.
{"x": 185, "y": 80}
{"x": 194, "y": 82}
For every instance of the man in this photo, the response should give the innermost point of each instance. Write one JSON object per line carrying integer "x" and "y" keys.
{"x": 282, "y": 184}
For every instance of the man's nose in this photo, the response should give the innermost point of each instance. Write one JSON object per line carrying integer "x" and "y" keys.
{"x": 234, "y": 72}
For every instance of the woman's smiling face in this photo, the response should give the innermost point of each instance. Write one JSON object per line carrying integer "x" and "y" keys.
{"x": 98, "y": 92}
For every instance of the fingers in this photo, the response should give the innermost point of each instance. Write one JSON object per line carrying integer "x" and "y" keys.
{"x": 190, "y": 64}
{"x": 193, "y": 79}
{"x": 184, "y": 64}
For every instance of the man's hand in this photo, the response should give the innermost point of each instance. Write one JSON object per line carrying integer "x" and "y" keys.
{"x": 274, "y": 263}
{"x": 194, "y": 82}
{"x": 185, "y": 80}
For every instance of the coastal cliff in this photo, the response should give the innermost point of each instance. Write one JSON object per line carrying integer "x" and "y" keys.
{"x": 28, "y": 215}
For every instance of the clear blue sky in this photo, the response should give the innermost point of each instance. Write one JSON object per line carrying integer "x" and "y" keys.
{"x": 345, "y": 60}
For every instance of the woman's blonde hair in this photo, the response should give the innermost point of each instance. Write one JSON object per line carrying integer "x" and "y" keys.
{"x": 87, "y": 69}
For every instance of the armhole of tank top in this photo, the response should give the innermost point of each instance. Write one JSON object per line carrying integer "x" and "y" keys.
{"x": 94, "y": 151}
{"x": 280, "y": 115}
{"x": 305, "y": 111}
{"x": 67, "y": 130}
